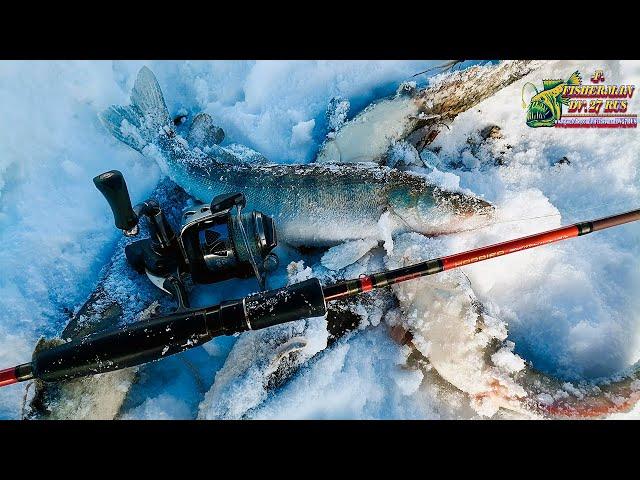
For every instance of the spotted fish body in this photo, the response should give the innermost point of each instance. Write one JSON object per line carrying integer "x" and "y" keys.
{"x": 314, "y": 205}
{"x": 320, "y": 205}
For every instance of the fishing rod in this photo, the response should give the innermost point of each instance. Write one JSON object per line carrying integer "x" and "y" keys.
{"x": 158, "y": 337}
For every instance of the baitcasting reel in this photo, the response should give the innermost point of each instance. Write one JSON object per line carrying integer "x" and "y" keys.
{"x": 216, "y": 242}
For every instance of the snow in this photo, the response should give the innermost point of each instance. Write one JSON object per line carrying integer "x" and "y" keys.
{"x": 506, "y": 360}
{"x": 362, "y": 377}
{"x": 347, "y": 253}
{"x": 162, "y": 407}
{"x": 570, "y": 309}
{"x": 301, "y": 133}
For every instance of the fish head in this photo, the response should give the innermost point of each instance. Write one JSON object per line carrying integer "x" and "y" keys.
{"x": 543, "y": 109}
{"x": 431, "y": 210}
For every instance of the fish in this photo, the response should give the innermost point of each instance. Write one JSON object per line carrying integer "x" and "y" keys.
{"x": 416, "y": 114}
{"x": 545, "y": 107}
{"x": 441, "y": 318}
{"x": 314, "y": 205}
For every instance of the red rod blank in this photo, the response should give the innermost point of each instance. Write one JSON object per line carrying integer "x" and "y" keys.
{"x": 8, "y": 376}
{"x": 510, "y": 246}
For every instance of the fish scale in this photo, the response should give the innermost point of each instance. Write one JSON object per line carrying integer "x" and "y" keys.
{"x": 305, "y": 200}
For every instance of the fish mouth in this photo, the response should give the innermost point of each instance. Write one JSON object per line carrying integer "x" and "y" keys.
{"x": 540, "y": 115}
{"x": 462, "y": 205}
{"x": 474, "y": 207}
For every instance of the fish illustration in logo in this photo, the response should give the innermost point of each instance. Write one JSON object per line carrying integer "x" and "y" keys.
{"x": 545, "y": 107}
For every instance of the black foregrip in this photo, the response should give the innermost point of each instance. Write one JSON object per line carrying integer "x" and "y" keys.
{"x": 133, "y": 344}
{"x": 295, "y": 302}
{"x": 112, "y": 185}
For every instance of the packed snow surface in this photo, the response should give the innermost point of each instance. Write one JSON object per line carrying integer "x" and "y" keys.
{"x": 571, "y": 309}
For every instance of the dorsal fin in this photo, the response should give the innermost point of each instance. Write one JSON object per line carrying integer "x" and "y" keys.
{"x": 203, "y": 133}
{"x": 549, "y": 84}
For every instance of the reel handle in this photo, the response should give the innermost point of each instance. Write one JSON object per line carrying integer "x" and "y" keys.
{"x": 112, "y": 185}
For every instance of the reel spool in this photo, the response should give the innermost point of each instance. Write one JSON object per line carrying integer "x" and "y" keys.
{"x": 219, "y": 243}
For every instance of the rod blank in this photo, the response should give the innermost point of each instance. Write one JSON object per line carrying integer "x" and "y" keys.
{"x": 367, "y": 283}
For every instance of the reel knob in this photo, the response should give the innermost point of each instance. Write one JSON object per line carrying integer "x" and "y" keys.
{"x": 226, "y": 201}
{"x": 270, "y": 263}
{"x": 112, "y": 185}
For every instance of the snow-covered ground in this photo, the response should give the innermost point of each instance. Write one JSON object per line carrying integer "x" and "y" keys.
{"x": 571, "y": 309}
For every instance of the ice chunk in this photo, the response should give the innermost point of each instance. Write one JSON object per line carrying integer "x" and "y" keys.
{"x": 403, "y": 154}
{"x": 301, "y": 133}
{"x": 337, "y": 112}
{"x": 347, "y": 253}
{"x": 507, "y": 360}
{"x": 386, "y": 225}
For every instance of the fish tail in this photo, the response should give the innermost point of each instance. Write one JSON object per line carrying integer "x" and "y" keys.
{"x": 144, "y": 120}
{"x": 524, "y": 105}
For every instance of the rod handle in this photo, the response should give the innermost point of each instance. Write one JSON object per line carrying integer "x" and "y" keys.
{"x": 126, "y": 346}
{"x": 112, "y": 185}
{"x": 159, "y": 337}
